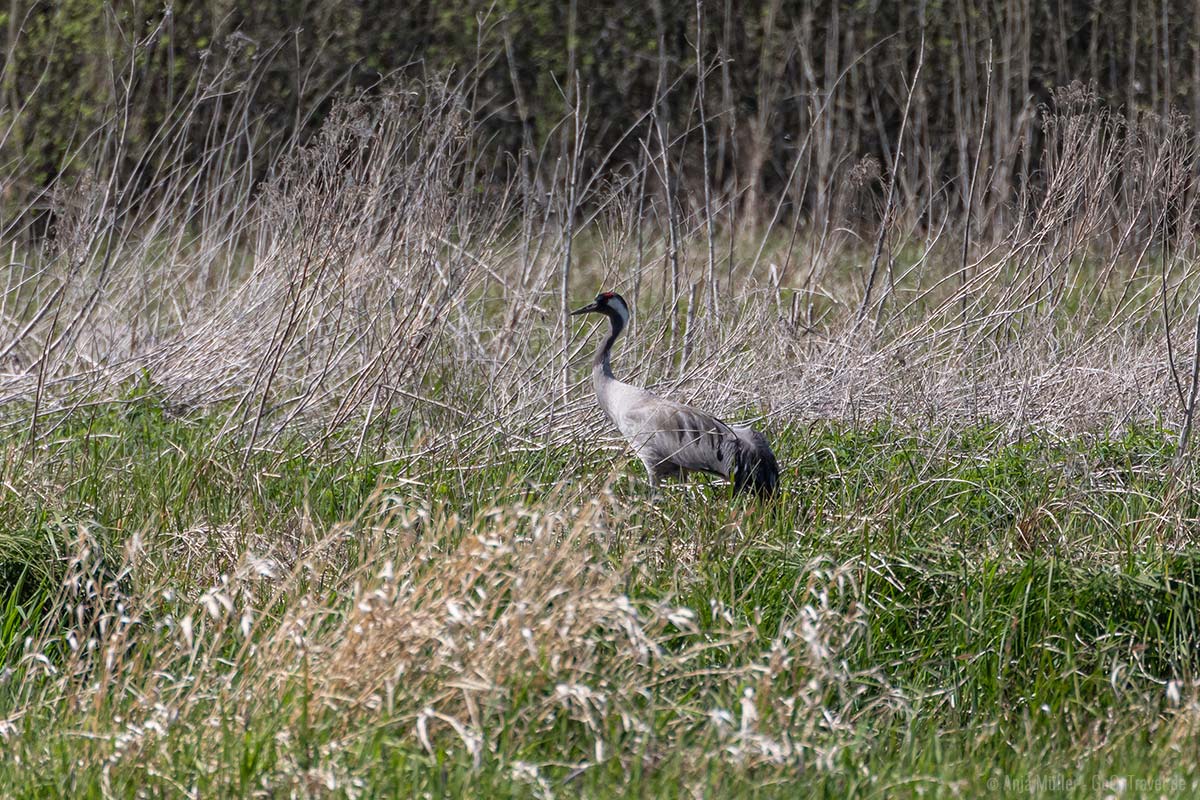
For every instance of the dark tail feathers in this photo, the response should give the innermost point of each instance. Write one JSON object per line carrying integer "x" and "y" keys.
{"x": 755, "y": 468}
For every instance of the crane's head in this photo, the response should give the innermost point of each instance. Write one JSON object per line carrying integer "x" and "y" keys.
{"x": 611, "y": 305}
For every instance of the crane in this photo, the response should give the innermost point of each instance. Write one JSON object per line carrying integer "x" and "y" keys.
{"x": 673, "y": 439}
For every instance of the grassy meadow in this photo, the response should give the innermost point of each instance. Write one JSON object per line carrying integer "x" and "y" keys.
{"x": 921, "y": 612}
{"x": 303, "y": 490}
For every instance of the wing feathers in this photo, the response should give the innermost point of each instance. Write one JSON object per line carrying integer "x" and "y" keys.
{"x": 671, "y": 438}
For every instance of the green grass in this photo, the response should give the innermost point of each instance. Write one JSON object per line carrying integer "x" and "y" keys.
{"x": 975, "y": 613}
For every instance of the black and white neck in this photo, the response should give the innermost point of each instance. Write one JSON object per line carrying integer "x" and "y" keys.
{"x": 618, "y": 316}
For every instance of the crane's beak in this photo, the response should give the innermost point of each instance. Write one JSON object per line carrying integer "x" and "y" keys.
{"x": 586, "y": 309}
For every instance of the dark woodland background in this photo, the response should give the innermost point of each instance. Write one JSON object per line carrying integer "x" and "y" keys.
{"x": 825, "y": 82}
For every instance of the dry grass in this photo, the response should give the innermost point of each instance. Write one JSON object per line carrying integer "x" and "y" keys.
{"x": 464, "y": 638}
{"x": 382, "y": 298}
{"x": 362, "y": 275}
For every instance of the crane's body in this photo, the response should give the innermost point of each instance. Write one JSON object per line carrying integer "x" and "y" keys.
{"x": 673, "y": 439}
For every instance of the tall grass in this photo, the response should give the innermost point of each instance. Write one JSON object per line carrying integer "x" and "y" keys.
{"x": 293, "y": 500}
{"x": 481, "y": 619}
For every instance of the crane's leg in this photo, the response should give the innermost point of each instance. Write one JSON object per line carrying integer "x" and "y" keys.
{"x": 654, "y": 474}
{"x": 655, "y": 485}
{"x": 656, "y": 478}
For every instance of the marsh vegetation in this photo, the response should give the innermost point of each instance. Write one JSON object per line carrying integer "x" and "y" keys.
{"x": 303, "y": 491}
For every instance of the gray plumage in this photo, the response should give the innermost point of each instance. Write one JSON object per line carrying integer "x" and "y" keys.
{"x": 670, "y": 438}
